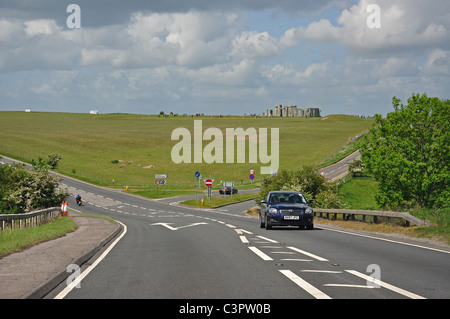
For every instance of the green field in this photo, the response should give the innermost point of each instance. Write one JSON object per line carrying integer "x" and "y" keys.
{"x": 130, "y": 149}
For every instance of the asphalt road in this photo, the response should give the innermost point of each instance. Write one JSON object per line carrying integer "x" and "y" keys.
{"x": 340, "y": 169}
{"x": 176, "y": 252}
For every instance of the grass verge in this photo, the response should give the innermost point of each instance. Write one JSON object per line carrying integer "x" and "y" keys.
{"x": 16, "y": 240}
{"x": 358, "y": 193}
{"x": 218, "y": 201}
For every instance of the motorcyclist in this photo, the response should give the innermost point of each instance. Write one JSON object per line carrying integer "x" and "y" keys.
{"x": 78, "y": 199}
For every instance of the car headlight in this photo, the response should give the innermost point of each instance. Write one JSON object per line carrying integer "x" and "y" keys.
{"x": 273, "y": 211}
{"x": 308, "y": 210}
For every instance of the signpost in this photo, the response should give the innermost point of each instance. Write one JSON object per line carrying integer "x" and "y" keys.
{"x": 252, "y": 176}
{"x": 198, "y": 176}
{"x": 160, "y": 179}
{"x": 209, "y": 184}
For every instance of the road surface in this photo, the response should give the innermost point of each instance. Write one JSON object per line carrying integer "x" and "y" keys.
{"x": 176, "y": 252}
{"x": 340, "y": 169}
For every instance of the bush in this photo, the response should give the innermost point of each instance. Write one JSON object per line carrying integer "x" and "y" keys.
{"x": 23, "y": 191}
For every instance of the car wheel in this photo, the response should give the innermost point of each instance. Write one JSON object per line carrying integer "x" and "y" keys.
{"x": 261, "y": 222}
{"x": 267, "y": 224}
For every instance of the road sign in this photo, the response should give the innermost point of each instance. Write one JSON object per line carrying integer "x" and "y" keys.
{"x": 252, "y": 176}
{"x": 160, "y": 176}
{"x": 160, "y": 181}
{"x": 197, "y": 174}
{"x": 208, "y": 182}
{"x": 252, "y": 171}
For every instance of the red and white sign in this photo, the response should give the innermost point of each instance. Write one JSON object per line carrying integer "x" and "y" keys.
{"x": 252, "y": 171}
{"x": 208, "y": 182}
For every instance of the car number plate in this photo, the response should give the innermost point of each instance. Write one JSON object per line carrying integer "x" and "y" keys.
{"x": 291, "y": 217}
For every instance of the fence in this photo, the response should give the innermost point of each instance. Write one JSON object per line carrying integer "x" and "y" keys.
{"x": 29, "y": 219}
{"x": 350, "y": 214}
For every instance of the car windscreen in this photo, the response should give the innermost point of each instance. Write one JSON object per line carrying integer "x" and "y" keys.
{"x": 287, "y": 198}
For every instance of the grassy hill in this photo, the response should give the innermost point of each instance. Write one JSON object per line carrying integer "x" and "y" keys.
{"x": 130, "y": 149}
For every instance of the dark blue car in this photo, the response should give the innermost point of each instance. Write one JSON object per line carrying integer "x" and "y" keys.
{"x": 286, "y": 208}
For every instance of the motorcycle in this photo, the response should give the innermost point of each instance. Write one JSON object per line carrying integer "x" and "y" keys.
{"x": 79, "y": 202}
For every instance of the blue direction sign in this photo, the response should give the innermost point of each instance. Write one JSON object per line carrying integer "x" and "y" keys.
{"x": 197, "y": 174}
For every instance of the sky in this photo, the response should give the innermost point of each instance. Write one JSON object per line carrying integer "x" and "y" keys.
{"x": 221, "y": 57}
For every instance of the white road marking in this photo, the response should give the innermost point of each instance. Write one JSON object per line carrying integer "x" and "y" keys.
{"x": 348, "y": 286}
{"x": 323, "y": 271}
{"x": 74, "y": 283}
{"x": 167, "y": 225}
{"x": 244, "y": 239}
{"x": 316, "y": 293}
{"x": 308, "y": 254}
{"x": 268, "y": 239}
{"x": 282, "y": 252}
{"x": 385, "y": 239}
{"x": 385, "y": 285}
{"x": 260, "y": 253}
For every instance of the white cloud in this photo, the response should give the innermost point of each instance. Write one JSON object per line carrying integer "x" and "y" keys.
{"x": 405, "y": 25}
{"x": 191, "y": 59}
{"x": 43, "y": 26}
{"x": 252, "y": 44}
{"x": 437, "y": 64}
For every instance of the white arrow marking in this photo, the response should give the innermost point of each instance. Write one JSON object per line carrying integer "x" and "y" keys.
{"x": 167, "y": 225}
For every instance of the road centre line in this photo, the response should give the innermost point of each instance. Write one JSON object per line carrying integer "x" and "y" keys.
{"x": 385, "y": 285}
{"x": 316, "y": 293}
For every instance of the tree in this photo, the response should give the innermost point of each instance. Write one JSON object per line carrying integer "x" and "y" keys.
{"x": 51, "y": 162}
{"x": 356, "y": 167}
{"x": 23, "y": 191}
{"x": 408, "y": 153}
